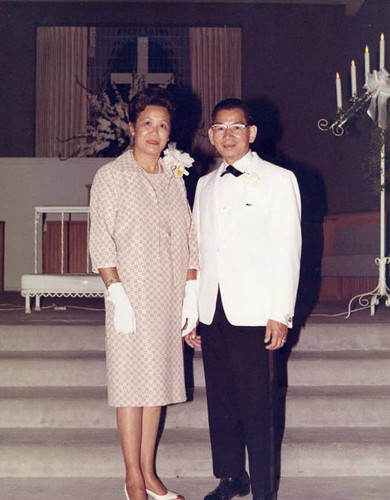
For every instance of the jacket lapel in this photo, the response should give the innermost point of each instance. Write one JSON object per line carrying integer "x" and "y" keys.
{"x": 210, "y": 200}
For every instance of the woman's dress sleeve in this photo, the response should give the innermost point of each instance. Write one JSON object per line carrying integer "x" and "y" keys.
{"x": 193, "y": 244}
{"x": 103, "y": 211}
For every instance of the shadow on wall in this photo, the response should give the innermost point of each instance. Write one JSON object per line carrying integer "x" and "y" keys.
{"x": 314, "y": 208}
{"x": 313, "y": 197}
{"x": 184, "y": 127}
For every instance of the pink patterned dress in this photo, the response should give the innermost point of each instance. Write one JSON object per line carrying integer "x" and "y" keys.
{"x": 141, "y": 224}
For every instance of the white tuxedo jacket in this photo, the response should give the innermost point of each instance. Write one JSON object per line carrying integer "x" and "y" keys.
{"x": 251, "y": 249}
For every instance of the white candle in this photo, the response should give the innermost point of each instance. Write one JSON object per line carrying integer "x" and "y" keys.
{"x": 338, "y": 92}
{"x": 366, "y": 62}
{"x": 353, "y": 79}
{"x": 382, "y": 52}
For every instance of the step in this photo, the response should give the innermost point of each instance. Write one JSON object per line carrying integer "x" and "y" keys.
{"x": 326, "y": 368}
{"x": 63, "y": 368}
{"x": 52, "y": 337}
{"x": 83, "y": 408}
{"x": 86, "y": 407}
{"x": 318, "y": 452}
{"x": 341, "y": 336}
{"x": 66, "y": 336}
{"x": 92, "y": 488}
{"x": 345, "y": 406}
{"x": 55, "y": 407}
{"x": 87, "y": 368}
{"x": 71, "y": 369}
{"x": 337, "y": 452}
{"x": 96, "y": 453}
{"x": 334, "y": 488}
{"x": 318, "y": 488}
{"x": 307, "y": 368}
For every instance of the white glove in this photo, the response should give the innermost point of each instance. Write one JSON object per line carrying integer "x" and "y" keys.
{"x": 190, "y": 307}
{"x": 124, "y": 317}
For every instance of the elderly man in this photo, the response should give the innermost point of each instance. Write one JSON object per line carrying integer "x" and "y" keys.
{"x": 247, "y": 214}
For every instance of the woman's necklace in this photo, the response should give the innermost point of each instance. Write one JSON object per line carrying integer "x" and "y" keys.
{"x": 156, "y": 170}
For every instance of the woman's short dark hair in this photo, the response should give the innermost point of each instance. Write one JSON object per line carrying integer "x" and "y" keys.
{"x": 151, "y": 96}
{"x": 232, "y": 103}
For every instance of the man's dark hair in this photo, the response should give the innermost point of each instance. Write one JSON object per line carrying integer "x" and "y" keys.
{"x": 151, "y": 96}
{"x": 232, "y": 104}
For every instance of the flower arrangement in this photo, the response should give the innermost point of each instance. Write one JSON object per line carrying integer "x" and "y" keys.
{"x": 176, "y": 160}
{"x": 250, "y": 179}
{"x": 370, "y": 164}
{"x": 107, "y": 134}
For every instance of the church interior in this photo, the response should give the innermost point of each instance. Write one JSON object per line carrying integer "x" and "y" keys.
{"x": 59, "y": 60}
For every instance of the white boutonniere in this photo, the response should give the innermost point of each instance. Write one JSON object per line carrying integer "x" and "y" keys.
{"x": 176, "y": 160}
{"x": 250, "y": 179}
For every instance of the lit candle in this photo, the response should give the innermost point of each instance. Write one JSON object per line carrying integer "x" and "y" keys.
{"x": 338, "y": 92}
{"x": 366, "y": 62}
{"x": 382, "y": 52}
{"x": 353, "y": 79}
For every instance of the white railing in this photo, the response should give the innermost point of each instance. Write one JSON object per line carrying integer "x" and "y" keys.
{"x": 65, "y": 216}
{"x": 64, "y": 284}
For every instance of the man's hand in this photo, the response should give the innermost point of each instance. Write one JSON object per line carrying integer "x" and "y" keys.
{"x": 275, "y": 332}
{"x": 193, "y": 340}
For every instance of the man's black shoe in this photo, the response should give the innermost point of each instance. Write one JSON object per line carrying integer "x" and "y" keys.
{"x": 230, "y": 487}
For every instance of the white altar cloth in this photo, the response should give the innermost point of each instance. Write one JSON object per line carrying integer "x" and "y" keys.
{"x": 59, "y": 285}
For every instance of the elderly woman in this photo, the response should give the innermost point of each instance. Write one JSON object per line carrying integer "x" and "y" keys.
{"x": 144, "y": 247}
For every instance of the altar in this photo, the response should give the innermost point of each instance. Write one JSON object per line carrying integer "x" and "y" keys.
{"x": 61, "y": 257}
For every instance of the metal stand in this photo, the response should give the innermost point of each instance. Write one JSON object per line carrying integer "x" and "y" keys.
{"x": 337, "y": 126}
{"x": 382, "y": 290}
{"x": 369, "y": 299}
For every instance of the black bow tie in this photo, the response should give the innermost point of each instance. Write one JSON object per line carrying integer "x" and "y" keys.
{"x": 232, "y": 170}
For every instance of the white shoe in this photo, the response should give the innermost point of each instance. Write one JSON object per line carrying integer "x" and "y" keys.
{"x": 126, "y": 495}
{"x": 169, "y": 495}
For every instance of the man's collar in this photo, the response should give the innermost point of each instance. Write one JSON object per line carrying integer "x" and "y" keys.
{"x": 241, "y": 164}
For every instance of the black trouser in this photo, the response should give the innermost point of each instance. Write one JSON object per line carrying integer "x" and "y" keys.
{"x": 238, "y": 372}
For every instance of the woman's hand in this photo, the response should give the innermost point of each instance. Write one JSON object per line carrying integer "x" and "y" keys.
{"x": 124, "y": 317}
{"x": 190, "y": 307}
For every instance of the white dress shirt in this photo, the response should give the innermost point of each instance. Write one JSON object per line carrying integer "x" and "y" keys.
{"x": 227, "y": 186}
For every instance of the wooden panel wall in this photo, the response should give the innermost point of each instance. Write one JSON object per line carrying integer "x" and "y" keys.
{"x": 75, "y": 247}
{"x": 345, "y": 287}
{"x": 2, "y": 227}
{"x": 335, "y": 288}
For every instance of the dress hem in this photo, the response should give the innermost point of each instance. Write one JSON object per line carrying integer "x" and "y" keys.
{"x": 129, "y": 405}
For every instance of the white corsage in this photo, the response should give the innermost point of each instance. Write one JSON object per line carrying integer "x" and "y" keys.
{"x": 176, "y": 160}
{"x": 250, "y": 179}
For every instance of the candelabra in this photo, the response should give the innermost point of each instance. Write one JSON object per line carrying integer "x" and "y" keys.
{"x": 368, "y": 299}
{"x": 337, "y": 126}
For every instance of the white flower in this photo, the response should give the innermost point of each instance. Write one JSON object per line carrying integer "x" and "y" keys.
{"x": 176, "y": 160}
{"x": 250, "y": 179}
{"x": 103, "y": 125}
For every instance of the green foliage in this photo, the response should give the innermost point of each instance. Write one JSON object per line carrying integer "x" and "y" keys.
{"x": 372, "y": 161}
